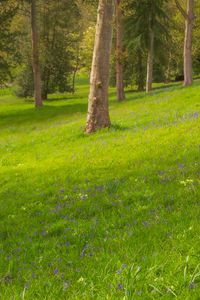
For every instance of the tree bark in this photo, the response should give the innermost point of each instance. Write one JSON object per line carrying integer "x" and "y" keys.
{"x": 188, "y": 44}
{"x": 98, "y": 112}
{"x": 119, "y": 52}
{"x": 35, "y": 54}
{"x": 189, "y": 22}
{"x": 140, "y": 78}
{"x": 150, "y": 62}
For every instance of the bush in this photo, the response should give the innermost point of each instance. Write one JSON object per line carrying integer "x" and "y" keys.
{"x": 24, "y": 82}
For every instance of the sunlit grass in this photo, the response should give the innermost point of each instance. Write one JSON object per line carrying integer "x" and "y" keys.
{"x": 114, "y": 215}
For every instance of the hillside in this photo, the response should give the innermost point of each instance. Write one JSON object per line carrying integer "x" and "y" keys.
{"x": 114, "y": 215}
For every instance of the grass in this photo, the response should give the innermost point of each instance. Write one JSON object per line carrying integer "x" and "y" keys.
{"x": 114, "y": 215}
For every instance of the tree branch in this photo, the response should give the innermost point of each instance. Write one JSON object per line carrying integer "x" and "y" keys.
{"x": 180, "y": 8}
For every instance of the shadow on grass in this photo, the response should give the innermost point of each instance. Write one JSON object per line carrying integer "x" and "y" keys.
{"x": 34, "y": 116}
{"x": 118, "y": 127}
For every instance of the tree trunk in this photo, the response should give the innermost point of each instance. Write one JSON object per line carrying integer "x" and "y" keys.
{"x": 35, "y": 53}
{"x": 75, "y": 72}
{"x": 98, "y": 112}
{"x": 188, "y": 44}
{"x": 150, "y": 62}
{"x": 119, "y": 53}
{"x": 140, "y": 78}
{"x": 189, "y": 22}
{"x": 167, "y": 74}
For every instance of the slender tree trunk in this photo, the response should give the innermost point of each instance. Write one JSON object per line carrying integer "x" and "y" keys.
{"x": 150, "y": 62}
{"x": 167, "y": 74}
{"x": 119, "y": 53}
{"x": 35, "y": 53}
{"x": 140, "y": 78}
{"x": 188, "y": 44}
{"x": 75, "y": 72}
{"x": 189, "y": 22}
{"x": 98, "y": 112}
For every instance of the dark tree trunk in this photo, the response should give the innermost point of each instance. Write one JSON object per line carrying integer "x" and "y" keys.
{"x": 35, "y": 53}
{"x": 119, "y": 52}
{"x": 98, "y": 112}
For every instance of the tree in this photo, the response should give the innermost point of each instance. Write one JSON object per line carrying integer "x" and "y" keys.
{"x": 35, "y": 53}
{"x": 189, "y": 22}
{"x": 8, "y": 41}
{"x": 119, "y": 52}
{"x": 146, "y": 30}
{"x": 59, "y": 40}
{"x": 98, "y": 113}
{"x": 150, "y": 55}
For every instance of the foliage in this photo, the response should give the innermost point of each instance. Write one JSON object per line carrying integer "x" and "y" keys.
{"x": 8, "y": 53}
{"x": 59, "y": 34}
{"x": 140, "y": 18}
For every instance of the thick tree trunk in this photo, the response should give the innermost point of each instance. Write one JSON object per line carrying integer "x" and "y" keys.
{"x": 35, "y": 53}
{"x": 189, "y": 22}
{"x": 119, "y": 53}
{"x": 98, "y": 112}
{"x": 150, "y": 62}
{"x": 188, "y": 44}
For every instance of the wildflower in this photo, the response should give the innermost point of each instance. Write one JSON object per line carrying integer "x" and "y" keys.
{"x": 181, "y": 166}
{"x": 139, "y": 293}
{"x": 192, "y": 285}
{"x": 56, "y": 271}
{"x": 195, "y": 115}
{"x": 66, "y": 285}
{"x": 26, "y": 286}
{"x": 145, "y": 223}
{"x": 84, "y": 250}
{"x": 123, "y": 266}
{"x": 118, "y": 272}
{"x": 119, "y": 286}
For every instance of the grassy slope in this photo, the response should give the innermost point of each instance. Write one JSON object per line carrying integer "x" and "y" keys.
{"x": 114, "y": 215}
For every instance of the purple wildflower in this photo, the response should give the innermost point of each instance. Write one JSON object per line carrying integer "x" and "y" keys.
{"x": 195, "y": 115}
{"x": 55, "y": 271}
{"x": 119, "y": 286}
{"x": 124, "y": 266}
{"x": 145, "y": 223}
{"x": 192, "y": 285}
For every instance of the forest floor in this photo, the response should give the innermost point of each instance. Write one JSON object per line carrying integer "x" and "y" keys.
{"x": 114, "y": 215}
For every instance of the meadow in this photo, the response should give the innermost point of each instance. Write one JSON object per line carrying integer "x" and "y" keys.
{"x": 112, "y": 215}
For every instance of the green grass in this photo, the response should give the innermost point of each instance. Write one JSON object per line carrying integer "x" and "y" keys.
{"x": 114, "y": 215}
